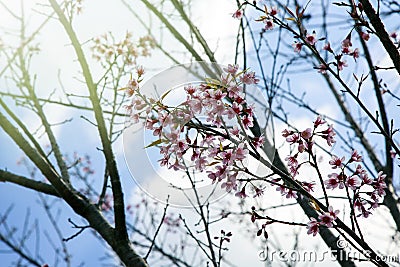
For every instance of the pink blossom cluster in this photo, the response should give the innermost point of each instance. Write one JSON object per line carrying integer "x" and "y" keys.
{"x": 304, "y": 141}
{"x": 361, "y": 199}
{"x": 326, "y": 219}
{"x": 368, "y": 192}
{"x": 211, "y": 126}
{"x": 346, "y": 50}
{"x": 267, "y": 19}
{"x": 338, "y": 62}
{"x": 289, "y": 192}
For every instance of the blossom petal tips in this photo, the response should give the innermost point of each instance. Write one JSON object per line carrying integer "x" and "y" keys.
{"x": 313, "y": 227}
{"x": 238, "y": 14}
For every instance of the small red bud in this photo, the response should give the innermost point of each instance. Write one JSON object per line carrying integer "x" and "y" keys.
{"x": 259, "y": 232}
{"x": 266, "y": 234}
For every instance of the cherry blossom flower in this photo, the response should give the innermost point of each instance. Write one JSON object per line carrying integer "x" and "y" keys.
{"x": 346, "y": 50}
{"x": 241, "y": 193}
{"x": 149, "y": 124}
{"x": 336, "y": 162}
{"x": 238, "y": 14}
{"x": 313, "y": 227}
{"x": 195, "y": 105}
{"x": 227, "y": 157}
{"x": 327, "y": 47}
{"x": 241, "y": 152}
{"x": 221, "y": 172}
{"x": 307, "y": 133}
{"x": 359, "y": 204}
{"x": 329, "y": 134}
{"x": 322, "y": 68}
{"x": 234, "y": 131}
{"x": 379, "y": 184}
{"x": 293, "y": 171}
{"x": 291, "y": 194}
{"x": 286, "y": 133}
{"x": 308, "y": 186}
{"x": 319, "y": 121}
{"x": 333, "y": 181}
{"x": 249, "y": 78}
{"x": 365, "y": 179}
{"x": 333, "y": 213}
{"x": 157, "y": 131}
{"x": 359, "y": 169}
{"x": 258, "y": 192}
{"x": 195, "y": 155}
{"x": 341, "y": 64}
{"x": 297, "y": 47}
{"x": 230, "y": 183}
{"x": 292, "y": 161}
{"x": 381, "y": 178}
{"x": 365, "y": 36}
{"x": 131, "y": 88}
{"x": 353, "y": 182}
{"x": 138, "y": 103}
{"x": 274, "y": 11}
{"x": 311, "y": 38}
{"x": 250, "y": 110}
{"x": 135, "y": 118}
{"x": 218, "y": 95}
{"x": 355, "y": 157}
{"x": 365, "y": 213}
{"x": 281, "y": 189}
{"x": 258, "y": 141}
{"x": 212, "y": 176}
{"x": 269, "y": 25}
{"x": 301, "y": 148}
{"x": 232, "y": 69}
{"x": 239, "y": 99}
{"x": 355, "y": 53}
{"x": 190, "y": 89}
{"x": 247, "y": 122}
{"x": 201, "y": 163}
{"x": 234, "y": 91}
{"x": 326, "y": 219}
{"x": 140, "y": 71}
{"x": 291, "y": 139}
{"x": 347, "y": 41}
{"x": 176, "y": 166}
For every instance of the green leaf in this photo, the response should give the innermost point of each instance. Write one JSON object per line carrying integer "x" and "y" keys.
{"x": 165, "y": 94}
{"x": 157, "y": 142}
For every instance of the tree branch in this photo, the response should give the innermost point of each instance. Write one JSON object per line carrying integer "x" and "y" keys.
{"x": 41, "y": 187}
{"x": 120, "y": 242}
{"x": 382, "y": 34}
